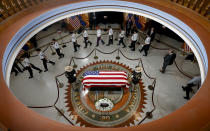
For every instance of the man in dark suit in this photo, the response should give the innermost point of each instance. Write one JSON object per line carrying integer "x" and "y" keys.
{"x": 168, "y": 60}
{"x": 128, "y": 25}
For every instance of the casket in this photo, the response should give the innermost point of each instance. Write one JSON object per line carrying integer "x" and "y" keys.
{"x": 105, "y": 79}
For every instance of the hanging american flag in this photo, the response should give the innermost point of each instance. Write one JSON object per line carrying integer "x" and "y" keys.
{"x": 105, "y": 79}
{"x": 187, "y": 48}
{"x": 74, "y": 22}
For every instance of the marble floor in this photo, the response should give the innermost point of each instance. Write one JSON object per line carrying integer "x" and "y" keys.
{"x": 42, "y": 89}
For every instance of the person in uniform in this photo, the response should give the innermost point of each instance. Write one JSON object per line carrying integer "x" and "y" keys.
{"x": 168, "y": 60}
{"x": 44, "y": 59}
{"x": 85, "y": 36}
{"x": 28, "y": 66}
{"x": 74, "y": 41}
{"x": 121, "y": 38}
{"x": 57, "y": 49}
{"x": 16, "y": 68}
{"x": 136, "y": 75}
{"x": 151, "y": 33}
{"x": 70, "y": 74}
{"x": 110, "y": 36}
{"x": 133, "y": 40}
{"x": 99, "y": 37}
{"x": 195, "y": 81}
{"x": 146, "y": 45}
{"x": 128, "y": 25}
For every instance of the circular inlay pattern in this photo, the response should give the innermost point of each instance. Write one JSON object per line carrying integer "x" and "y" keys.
{"x": 110, "y": 107}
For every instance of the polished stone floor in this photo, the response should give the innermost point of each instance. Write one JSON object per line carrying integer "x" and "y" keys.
{"x": 42, "y": 89}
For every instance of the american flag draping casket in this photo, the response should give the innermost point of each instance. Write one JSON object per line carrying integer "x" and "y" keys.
{"x": 105, "y": 79}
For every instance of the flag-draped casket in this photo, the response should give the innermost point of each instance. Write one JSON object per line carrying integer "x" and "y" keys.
{"x": 105, "y": 79}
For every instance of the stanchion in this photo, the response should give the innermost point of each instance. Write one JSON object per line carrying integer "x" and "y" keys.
{"x": 74, "y": 66}
{"x": 60, "y": 85}
{"x": 149, "y": 115}
{"x": 118, "y": 53}
{"x": 53, "y": 52}
{"x": 59, "y": 32}
{"x": 139, "y": 61}
{"x": 95, "y": 57}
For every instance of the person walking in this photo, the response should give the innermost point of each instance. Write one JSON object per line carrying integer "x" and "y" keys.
{"x": 195, "y": 81}
{"x": 74, "y": 41}
{"x": 151, "y": 33}
{"x": 99, "y": 37}
{"x": 146, "y": 45}
{"x": 121, "y": 38}
{"x": 168, "y": 60}
{"x": 128, "y": 25}
{"x": 85, "y": 36}
{"x": 29, "y": 66}
{"x": 44, "y": 59}
{"x": 110, "y": 36}
{"x": 57, "y": 48}
{"x": 16, "y": 68}
{"x": 133, "y": 40}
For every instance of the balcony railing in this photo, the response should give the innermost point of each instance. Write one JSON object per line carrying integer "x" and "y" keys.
{"x": 200, "y": 6}
{"x": 11, "y": 7}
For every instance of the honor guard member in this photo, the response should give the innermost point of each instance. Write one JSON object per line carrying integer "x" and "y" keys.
{"x": 151, "y": 33}
{"x": 99, "y": 37}
{"x": 85, "y": 36}
{"x": 110, "y": 36}
{"x": 146, "y": 45}
{"x": 74, "y": 41}
{"x": 121, "y": 38}
{"x": 133, "y": 40}
{"x": 70, "y": 74}
{"x": 27, "y": 66}
{"x": 136, "y": 75}
{"x": 16, "y": 68}
{"x": 44, "y": 59}
{"x": 57, "y": 49}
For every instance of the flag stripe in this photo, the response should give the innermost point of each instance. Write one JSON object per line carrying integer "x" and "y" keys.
{"x": 105, "y": 78}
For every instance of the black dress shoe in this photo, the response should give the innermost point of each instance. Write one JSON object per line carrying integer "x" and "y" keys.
{"x": 186, "y": 98}
{"x": 40, "y": 71}
{"x": 30, "y": 77}
{"x": 45, "y": 70}
{"x": 85, "y": 47}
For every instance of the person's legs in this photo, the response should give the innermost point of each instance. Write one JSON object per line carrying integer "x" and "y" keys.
{"x": 14, "y": 70}
{"x": 145, "y": 52}
{"x": 36, "y": 68}
{"x": 142, "y": 49}
{"x": 58, "y": 52}
{"x": 75, "y": 46}
{"x": 102, "y": 41}
{"x": 86, "y": 42}
{"x": 133, "y": 46}
{"x": 45, "y": 64}
{"x": 164, "y": 67}
{"x": 98, "y": 39}
{"x": 30, "y": 72}
{"x": 123, "y": 43}
{"x": 17, "y": 67}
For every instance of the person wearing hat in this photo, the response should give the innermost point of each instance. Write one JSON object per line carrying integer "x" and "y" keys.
{"x": 121, "y": 37}
{"x": 70, "y": 74}
{"x": 44, "y": 59}
{"x": 28, "y": 65}
{"x": 133, "y": 40}
{"x": 110, "y": 36}
{"x": 57, "y": 48}
{"x": 136, "y": 75}
{"x": 74, "y": 41}
{"x": 99, "y": 37}
{"x": 85, "y": 36}
{"x": 146, "y": 45}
